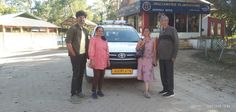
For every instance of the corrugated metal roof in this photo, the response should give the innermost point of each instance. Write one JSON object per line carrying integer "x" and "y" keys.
{"x": 24, "y": 19}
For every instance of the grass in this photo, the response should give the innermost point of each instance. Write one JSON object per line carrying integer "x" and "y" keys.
{"x": 234, "y": 36}
{"x": 228, "y": 58}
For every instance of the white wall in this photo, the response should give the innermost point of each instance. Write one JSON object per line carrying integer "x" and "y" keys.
{"x": 181, "y": 35}
{"x": 205, "y": 24}
{"x": 23, "y": 41}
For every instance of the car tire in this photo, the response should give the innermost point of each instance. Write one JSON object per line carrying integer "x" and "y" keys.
{"x": 88, "y": 79}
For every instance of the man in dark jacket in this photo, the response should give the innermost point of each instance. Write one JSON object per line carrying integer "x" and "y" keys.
{"x": 77, "y": 45}
{"x": 167, "y": 52}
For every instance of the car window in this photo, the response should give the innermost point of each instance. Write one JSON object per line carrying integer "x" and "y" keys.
{"x": 121, "y": 35}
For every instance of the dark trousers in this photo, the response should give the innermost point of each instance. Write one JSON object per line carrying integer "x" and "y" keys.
{"x": 167, "y": 75}
{"x": 97, "y": 79}
{"x": 78, "y": 66}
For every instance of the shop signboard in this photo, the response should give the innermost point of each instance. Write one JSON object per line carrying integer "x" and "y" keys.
{"x": 175, "y": 7}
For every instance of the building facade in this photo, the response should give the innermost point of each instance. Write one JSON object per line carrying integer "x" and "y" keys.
{"x": 189, "y": 17}
{"x": 24, "y": 31}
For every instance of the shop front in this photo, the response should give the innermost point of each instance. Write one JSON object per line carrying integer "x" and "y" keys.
{"x": 185, "y": 15}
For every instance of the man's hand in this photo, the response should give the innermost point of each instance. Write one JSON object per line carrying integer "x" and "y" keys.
{"x": 70, "y": 49}
{"x": 173, "y": 60}
{"x": 72, "y": 54}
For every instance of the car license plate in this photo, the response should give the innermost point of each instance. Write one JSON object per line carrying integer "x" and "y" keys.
{"x": 122, "y": 71}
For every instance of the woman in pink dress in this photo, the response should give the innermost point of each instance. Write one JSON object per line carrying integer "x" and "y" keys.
{"x": 148, "y": 61}
{"x": 99, "y": 60}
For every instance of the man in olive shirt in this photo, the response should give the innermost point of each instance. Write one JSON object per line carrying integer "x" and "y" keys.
{"x": 167, "y": 51}
{"x": 77, "y": 45}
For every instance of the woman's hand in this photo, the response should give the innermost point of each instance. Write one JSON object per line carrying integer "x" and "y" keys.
{"x": 108, "y": 63}
{"x": 140, "y": 44}
{"x": 91, "y": 64}
{"x": 154, "y": 63}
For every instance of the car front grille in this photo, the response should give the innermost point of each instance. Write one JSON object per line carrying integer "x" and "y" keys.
{"x": 123, "y": 60}
{"x": 124, "y": 64}
{"x": 122, "y": 55}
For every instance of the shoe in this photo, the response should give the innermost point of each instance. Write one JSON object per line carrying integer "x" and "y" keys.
{"x": 163, "y": 92}
{"x": 168, "y": 95}
{"x": 75, "y": 99}
{"x": 147, "y": 95}
{"x": 94, "y": 95}
{"x": 99, "y": 93}
{"x": 81, "y": 95}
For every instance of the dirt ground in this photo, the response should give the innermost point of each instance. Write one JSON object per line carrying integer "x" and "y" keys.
{"x": 39, "y": 81}
{"x": 221, "y": 75}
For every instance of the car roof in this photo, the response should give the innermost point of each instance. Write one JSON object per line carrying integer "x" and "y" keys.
{"x": 116, "y": 26}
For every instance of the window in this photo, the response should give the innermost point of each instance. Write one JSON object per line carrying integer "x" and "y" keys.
{"x": 43, "y": 29}
{"x": 193, "y": 23}
{"x": 16, "y": 29}
{"x": 35, "y": 29}
{"x": 212, "y": 28}
{"x": 140, "y": 24}
{"x": 180, "y": 22}
{"x": 121, "y": 35}
{"x": 153, "y": 17}
{"x": 26, "y": 29}
{"x": 52, "y": 30}
{"x": 8, "y": 29}
{"x": 171, "y": 19}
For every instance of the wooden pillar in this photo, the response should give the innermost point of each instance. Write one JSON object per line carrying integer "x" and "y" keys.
{"x": 3, "y": 36}
{"x": 209, "y": 26}
{"x": 3, "y": 29}
{"x": 222, "y": 27}
{"x": 21, "y": 29}
{"x": 145, "y": 18}
{"x": 47, "y": 30}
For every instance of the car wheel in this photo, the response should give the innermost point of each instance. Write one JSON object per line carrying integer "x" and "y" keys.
{"x": 88, "y": 79}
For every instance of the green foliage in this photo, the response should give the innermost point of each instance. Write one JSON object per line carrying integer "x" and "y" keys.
{"x": 56, "y": 11}
{"x": 104, "y": 10}
{"x": 6, "y": 10}
{"x": 20, "y": 5}
{"x": 111, "y": 10}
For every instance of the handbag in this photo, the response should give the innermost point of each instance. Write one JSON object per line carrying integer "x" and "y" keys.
{"x": 140, "y": 51}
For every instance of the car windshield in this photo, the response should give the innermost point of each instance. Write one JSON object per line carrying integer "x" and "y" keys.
{"x": 121, "y": 35}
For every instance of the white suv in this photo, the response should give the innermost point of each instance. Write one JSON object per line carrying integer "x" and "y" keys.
{"x": 122, "y": 42}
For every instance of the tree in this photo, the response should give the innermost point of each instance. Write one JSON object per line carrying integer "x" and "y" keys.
{"x": 20, "y": 5}
{"x": 105, "y": 9}
{"x": 225, "y": 9}
{"x": 56, "y": 11}
{"x": 112, "y": 8}
{"x": 6, "y": 10}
